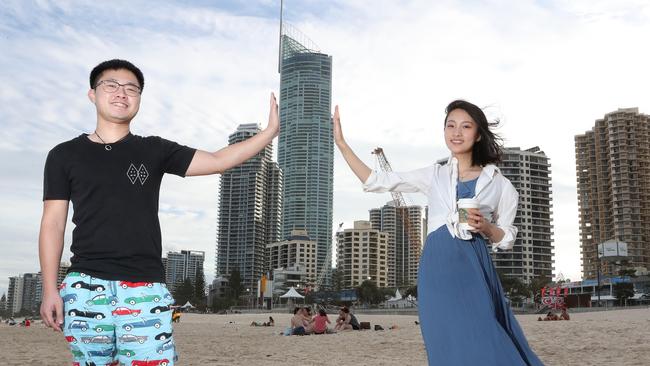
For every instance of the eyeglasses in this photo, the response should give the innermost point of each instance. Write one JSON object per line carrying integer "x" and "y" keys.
{"x": 111, "y": 86}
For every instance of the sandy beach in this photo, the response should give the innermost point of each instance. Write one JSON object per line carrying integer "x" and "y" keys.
{"x": 619, "y": 337}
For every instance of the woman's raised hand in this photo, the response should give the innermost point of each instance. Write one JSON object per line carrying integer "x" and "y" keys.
{"x": 336, "y": 128}
{"x": 274, "y": 119}
{"x": 360, "y": 169}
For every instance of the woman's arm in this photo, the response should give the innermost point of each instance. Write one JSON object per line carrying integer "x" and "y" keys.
{"x": 412, "y": 181}
{"x": 359, "y": 168}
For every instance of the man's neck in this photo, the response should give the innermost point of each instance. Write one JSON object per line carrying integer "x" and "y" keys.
{"x": 111, "y": 132}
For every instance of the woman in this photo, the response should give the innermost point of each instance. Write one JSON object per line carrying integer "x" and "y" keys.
{"x": 320, "y": 322}
{"x": 465, "y": 318}
{"x": 298, "y": 322}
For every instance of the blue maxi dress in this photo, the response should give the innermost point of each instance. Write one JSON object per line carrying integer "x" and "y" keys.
{"x": 464, "y": 317}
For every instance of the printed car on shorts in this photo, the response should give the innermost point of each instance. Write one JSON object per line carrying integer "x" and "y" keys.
{"x": 127, "y": 352}
{"x": 126, "y": 338}
{"x": 108, "y": 352}
{"x": 162, "y": 336}
{"x": 163, "y": 362}
{"x": 70, "y": 298}
{"x": 79, "y": 324}
{"x": 159, "y": 309}
{"x": 76, "y": 352}
{"x": 76, "y": 274}
{"x": 102, "y": 299}
{"x": 145, "y": 298}
{"x": 169, "y": 344}
{"x": 71, "y": 339}
{"x": 104, "y": 328}
{"x": 88, "y": 286}
{"x": 127, "y": 284}
{"x": 126, "y": 311}
{"x": 97, "y": 339}
{"x": 142, "y": 323}
{"x": 86, "y": 314}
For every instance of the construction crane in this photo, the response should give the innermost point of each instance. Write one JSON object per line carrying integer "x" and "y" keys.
{"x": 323, "y": 270}
{"x": 413, "y": 242}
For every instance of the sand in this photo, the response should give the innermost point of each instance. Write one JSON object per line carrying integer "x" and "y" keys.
{"x": 620, "y": 337}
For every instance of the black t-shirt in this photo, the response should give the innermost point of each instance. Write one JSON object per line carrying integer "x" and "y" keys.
{"x": 114, "y": 195}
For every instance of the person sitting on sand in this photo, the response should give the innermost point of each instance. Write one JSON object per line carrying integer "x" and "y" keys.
{"x": 564, "y": 315}
{"x": 298, "y": 322}
{"x": 551, "y": 316}
{"x": 309, "y": 326}
{"x": 320, "y": 321}
{"x": 348, "y": 320}
{"x": 340, "y": 320}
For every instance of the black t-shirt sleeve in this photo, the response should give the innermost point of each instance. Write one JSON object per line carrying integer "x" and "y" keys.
{"x": 176, "y": 157}
{"x": 56, "y": 181}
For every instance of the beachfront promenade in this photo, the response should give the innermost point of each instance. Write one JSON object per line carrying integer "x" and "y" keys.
{"x": 617, "y": 337}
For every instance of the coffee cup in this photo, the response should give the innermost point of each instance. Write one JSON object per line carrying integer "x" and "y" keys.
{"x": 464, "y": 207}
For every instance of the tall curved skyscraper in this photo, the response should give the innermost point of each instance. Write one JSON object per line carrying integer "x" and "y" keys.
{"x": 306, "y": 145}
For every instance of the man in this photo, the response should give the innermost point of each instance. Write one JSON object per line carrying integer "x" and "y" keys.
{"x": 117, "y": 306}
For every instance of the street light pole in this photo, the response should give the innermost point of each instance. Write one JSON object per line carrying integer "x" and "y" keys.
{"x": 598, "y": 276}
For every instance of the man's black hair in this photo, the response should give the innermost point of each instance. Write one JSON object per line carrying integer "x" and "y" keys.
{"x": 115, "y": 64}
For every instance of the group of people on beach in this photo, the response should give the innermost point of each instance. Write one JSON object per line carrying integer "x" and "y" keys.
{"x": 303, "y": 322}
{"x": 552, "y": 316}
{"x": 24, "y": 323}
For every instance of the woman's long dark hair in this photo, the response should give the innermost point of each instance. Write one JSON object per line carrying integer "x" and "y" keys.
{"x": 488, "y": 149}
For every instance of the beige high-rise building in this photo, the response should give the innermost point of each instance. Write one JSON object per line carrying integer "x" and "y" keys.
{"x": 529, "y": 171}
{"x": 362, "y": 254}
{"x": 404, "y": 241}
{"x": 613, "y": 174}
{"x": 298, "y": 249}
{"x": 15, "y": 295}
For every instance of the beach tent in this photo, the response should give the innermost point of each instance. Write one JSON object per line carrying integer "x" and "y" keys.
{"x": 187, "y": 306}
{"x": 397, "y": 296}
{"x": 398, "y": 301}
{"x": 292, "y": 293}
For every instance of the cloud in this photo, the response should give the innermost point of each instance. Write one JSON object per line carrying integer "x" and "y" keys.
{"x": 549, "y": 69}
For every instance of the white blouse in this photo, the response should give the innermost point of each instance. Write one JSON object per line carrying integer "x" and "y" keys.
{"x": 498, "y": 198}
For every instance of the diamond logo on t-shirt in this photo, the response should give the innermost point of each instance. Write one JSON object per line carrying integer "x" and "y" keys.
{"x": 132, "y": 173}
{"x": 135, "y": 174}
{"x": 143, "y": 174}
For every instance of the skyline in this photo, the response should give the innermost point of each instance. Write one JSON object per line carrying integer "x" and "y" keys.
{"x": 548, "y": 70}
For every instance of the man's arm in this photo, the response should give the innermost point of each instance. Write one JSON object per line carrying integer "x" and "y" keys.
{"x": 50, "y": 247}
{"x": 205, "y": 163}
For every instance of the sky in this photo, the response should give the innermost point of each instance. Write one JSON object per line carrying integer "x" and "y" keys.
{"x": 546, "y": 69}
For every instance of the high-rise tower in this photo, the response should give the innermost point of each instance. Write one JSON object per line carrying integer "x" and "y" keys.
{"x": 306, "y": 145}
{"x": 404, "y": 241}
{"x": 250, "y": 204}
{"x": 613, "y": 173}
{"x": 529, "y": 171}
